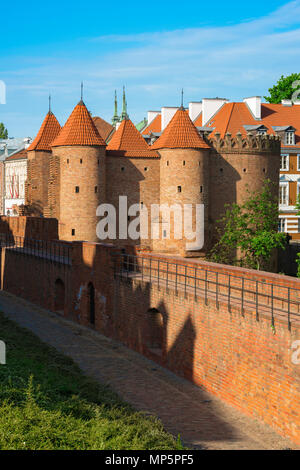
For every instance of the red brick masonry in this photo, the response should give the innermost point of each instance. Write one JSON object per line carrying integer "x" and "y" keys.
{"x": 203, "y": 335}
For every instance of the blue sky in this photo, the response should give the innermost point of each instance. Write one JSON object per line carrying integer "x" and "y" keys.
{"x": 225, "y": 49}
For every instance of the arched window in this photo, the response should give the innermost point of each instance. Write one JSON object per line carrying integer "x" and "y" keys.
{"x": 59, "y": 296}
{"x": 91, "y": 303}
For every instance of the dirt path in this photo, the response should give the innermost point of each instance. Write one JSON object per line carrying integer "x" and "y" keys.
{"x": 201, "y": 419}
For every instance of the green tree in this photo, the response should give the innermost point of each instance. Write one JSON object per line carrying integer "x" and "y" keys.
{"x": 248, "y": 232}
{"x": 3, "y": 131}
{"x": 284, "y": 89}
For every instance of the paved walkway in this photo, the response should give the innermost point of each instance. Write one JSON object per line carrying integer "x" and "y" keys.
{"x": 202, "y": 420}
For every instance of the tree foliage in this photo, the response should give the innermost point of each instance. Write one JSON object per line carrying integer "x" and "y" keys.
{"x": 284, "y": 89}
{"x": 248, "y": 232}
{"x": 3, "y": 131}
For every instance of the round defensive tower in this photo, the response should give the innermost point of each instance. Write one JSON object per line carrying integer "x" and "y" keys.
{"x": 184, "y": 180}
{"x": 38, "y": 166}
{"x": 79, "y": 156}
{"x": 239, "y": 165}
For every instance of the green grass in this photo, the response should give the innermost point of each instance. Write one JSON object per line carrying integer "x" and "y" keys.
{"x": 47, "y": 403}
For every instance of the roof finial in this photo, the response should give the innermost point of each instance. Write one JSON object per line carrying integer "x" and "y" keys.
{"x": 124, "y": 107}
{"x": 81, "y": 93}
{"x": 49, "y": 103}
{"x": 182, "y": 98}
{"x": 115, "y": 118}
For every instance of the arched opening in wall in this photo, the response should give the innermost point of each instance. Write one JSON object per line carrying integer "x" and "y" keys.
{"x": 59, "y": 296}
{"x": 155, "y": 331}
{"x": 91, "y": 303}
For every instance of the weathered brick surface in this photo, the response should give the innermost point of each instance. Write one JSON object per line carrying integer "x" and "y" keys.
{"x": 243, "y": 361}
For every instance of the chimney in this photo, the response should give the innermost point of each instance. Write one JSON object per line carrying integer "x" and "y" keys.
{"x": 166, "y": 115}
{"x": 286, "y": 102}
{"x": 5, "y": 151}
{"x": 195, "y": 108}
{"x": 210, "y": 106}
{"x": 152, "y": 115}
{"x": 254, "y": 104}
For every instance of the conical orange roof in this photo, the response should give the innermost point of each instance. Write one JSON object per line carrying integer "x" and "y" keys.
{"x": 48, "y": 132}
{"x": 127, "y": 141}
{"x": 180, "y": 133}
{"x": 79, "y": 129}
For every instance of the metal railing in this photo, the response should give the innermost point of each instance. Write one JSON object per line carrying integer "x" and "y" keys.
{"x": 277, "y": 301}
{"x": 54, "y": 251}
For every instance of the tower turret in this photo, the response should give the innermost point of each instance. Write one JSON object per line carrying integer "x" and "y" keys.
{"x": 124, "y": 114}
{"x": 115, "y": 118}
{"x": 77, "y": 176}
{"x": 38, "y": 167}
{"x": 184, "y": 180}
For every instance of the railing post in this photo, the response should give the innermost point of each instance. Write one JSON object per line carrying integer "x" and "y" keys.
{"x": 185, "y": 277}
{"x": 229, "y": 286}
{"x": 195, "y": 282}
{"x": 272, "y": 304}
{"x": 150, "y": 269}
{"x": 243, "y": 281}
{"x": 142, "y": 269}
{"x": 158, "y": 272}
{"x": 257, "y": 317}
{"x": 289, "y": 309}
{"x": 176, "y": 278}
{"x": 205, "y": 287}
{"x": 167, "y": 275}
{"x": 217, "y": 290}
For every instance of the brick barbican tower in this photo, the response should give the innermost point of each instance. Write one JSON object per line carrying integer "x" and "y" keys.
{"x": 77, "y": 176}
{"x": 38, "y": 169}
{"x": 184, "y": 177}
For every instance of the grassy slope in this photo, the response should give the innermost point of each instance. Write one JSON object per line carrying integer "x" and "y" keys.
{"x": 47, "y": 403}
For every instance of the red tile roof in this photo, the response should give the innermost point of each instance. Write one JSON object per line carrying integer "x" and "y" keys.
{"x": 104, "y": 128}
{"x": 79, "y": 129}
{"x": 154, "y": 126}
{"x": 233, "y": 116}
{"x": 127, "y": 141}
{"x": 180, "y": 133}
{"x": 48, "y": 132}
{"x": 21, "y": 155}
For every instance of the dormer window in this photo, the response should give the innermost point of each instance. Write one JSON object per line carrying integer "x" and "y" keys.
{"x": 289, "y": 138}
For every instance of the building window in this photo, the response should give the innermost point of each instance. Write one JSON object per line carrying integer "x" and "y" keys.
{"x": 262, "y": 132}
{"x": 289, "y": 138}
{"x": 284, "y": 166}
{"x": 142, "y": 205}
{"x": 282, "y": 225}
{"x": 284, "y": 194}
{"x": 179, "y": 189}
{"x": 76, "y": 189}
{"x": 73, "y": 231}
{"x": 96, "y": 189}
{"x": 298, "y": 162}
{"x": 164, "y": 234}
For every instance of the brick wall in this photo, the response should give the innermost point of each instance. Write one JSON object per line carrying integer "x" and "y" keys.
{"x": 235, "y": 355}
{"x": 30, "y": 227}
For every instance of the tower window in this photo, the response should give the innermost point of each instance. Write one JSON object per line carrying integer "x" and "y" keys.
{"x": 168, "y": 163}
{"x": 221, "y": 170}
{"x": 96, "y": 189}
{"x": 179, "y": 189}
{"x": 201, "y": 189}
{"x": 183, "y": 163}
{"x": 142, "y": 205}
{"x": 68, "y": 161}
{"x": 122, "y": 168}
{"x": 76, "y": 189}
{"x": 73, "y": 231}
{"x": 81, "y": 160}
{"x": 98, "y": 162}
{"x": 146, "y": 168}
{"x": 244, "y": 170}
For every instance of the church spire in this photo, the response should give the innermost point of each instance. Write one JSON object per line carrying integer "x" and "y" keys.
{"x": 124, "y": 108}
{"x": 115, "y": 118}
